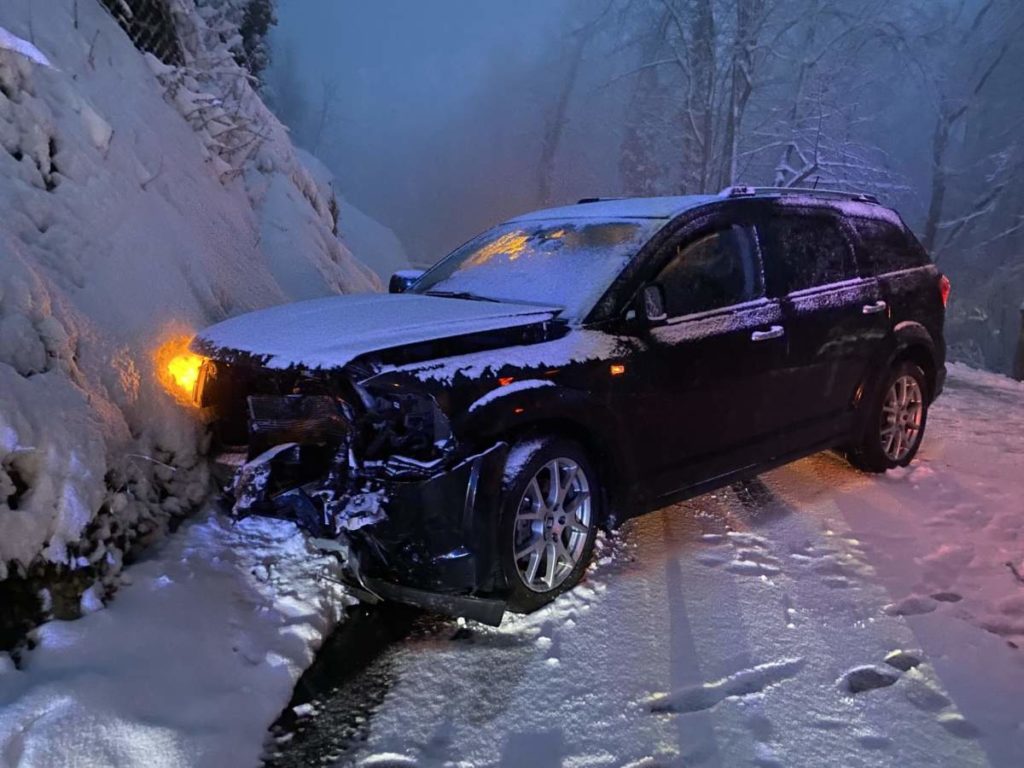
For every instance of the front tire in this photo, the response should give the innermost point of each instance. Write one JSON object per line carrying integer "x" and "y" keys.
{"x": 895, "y": 421}
{"x": 550, "y": 509}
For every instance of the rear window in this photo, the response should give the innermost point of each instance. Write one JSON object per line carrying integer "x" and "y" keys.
{"x": 806, "y": 251}
{"x": 884, "y": 247}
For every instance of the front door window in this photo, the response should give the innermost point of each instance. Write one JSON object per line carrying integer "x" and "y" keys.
{"x": 717, "y": 270}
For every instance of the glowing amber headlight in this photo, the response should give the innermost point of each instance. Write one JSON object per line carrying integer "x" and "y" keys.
{"x": 184, "y": 369}
{"x": 178, "y": 368}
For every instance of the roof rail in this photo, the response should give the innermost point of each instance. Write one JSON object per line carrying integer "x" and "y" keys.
{"x": 585, "y": 200}
{"x": 834, "y": 194}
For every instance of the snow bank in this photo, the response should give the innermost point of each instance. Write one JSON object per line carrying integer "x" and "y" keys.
{"x": 140, "y": 202}
{"x": 188, "y": 666}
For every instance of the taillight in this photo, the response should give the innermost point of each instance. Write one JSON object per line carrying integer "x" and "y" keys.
{"x": 944, "y": 288}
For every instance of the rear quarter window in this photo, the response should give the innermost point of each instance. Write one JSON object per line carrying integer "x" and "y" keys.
{"x": 884, "y": 247}
{"x": 804, "y": 251}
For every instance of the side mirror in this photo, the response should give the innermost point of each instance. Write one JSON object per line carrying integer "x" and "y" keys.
{"x": 402, "y": 280}
{"x": 652, "y": 305}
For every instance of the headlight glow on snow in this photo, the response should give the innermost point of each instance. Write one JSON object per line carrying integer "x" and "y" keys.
{"x": 179, "y": 368}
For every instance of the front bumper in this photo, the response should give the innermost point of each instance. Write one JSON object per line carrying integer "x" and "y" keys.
{"x": 434, "y": 546}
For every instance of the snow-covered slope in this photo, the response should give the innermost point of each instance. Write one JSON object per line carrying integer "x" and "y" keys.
{"x": 139, "y": 202}
{"x": 189, "y": 664}
{"x": 371, "y": 242}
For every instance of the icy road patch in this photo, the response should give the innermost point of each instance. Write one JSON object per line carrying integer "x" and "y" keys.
{"x": 188, "y": 665}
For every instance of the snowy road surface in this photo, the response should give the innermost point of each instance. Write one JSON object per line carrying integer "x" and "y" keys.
{"x": 733, "y": 630}
{"x": 816, "y": 616}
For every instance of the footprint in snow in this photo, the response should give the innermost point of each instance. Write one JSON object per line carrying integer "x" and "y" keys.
{"x": 957, "y": 725}
{"x": 904, "y": 661}
{"x": 868, "y": 678}
{"x": 836, "y": 582}
{"x": 752, "y": 568}
{"x": 924, "y": 696}
{"x": 874, "y": 741}
{"x": 697, "y": 698}
{"x": 912, "y": 605}
{"x": 713, "y": 559}
{"x": 744, "y": 539}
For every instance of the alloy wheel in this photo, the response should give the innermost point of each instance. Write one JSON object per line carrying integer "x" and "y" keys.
{"x": 552, "y": 524}
{"x": 902, "y": 414}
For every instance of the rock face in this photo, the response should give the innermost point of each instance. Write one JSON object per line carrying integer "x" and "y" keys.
{"x": 141, "y": 201}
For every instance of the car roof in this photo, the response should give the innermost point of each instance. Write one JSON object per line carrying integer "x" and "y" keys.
{"x": 621, "y": 208}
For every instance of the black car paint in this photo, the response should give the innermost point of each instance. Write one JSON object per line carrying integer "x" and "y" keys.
{"x": 694, "y": 403}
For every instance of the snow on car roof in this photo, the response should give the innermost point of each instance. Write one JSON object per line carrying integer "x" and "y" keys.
{"x": 624, "y": 208}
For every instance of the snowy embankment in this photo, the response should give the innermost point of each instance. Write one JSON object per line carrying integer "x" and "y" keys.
{"x": 189, "y": 664}
{"x": 814, "y": 616}
{"x": 140, "y": 202}
{"x": 377, "y": 246}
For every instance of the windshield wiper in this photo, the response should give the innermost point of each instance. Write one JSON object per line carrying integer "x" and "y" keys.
{"x": 460, "y": 295}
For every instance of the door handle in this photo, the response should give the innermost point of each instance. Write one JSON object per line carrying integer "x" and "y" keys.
{"x": 874, "y": 309}
{"x": 775, "y": 332}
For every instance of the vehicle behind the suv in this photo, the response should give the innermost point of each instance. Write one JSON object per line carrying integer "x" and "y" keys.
{"x": 460, "y": 441}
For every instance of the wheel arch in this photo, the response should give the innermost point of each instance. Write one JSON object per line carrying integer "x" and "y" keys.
{"x": 564, "y": 413}
{"x": 915, "y": 344}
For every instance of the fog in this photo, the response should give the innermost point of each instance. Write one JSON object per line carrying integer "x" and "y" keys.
{"x": 432, "y": 108}
{"x": 440, "y": 119}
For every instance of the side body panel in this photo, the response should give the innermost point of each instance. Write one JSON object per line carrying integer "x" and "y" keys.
{"x": 836, "y": 330}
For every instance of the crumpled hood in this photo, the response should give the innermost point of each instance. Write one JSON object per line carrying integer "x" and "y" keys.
{"x": 331, "y": 332}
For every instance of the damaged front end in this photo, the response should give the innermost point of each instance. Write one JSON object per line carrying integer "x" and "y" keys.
{"x": 373, "y": 474}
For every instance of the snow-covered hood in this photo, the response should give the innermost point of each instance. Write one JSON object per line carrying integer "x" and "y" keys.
{"x": 331, "y": 332}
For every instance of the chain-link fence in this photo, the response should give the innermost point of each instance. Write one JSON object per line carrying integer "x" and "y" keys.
{"x": 150, "y": 26}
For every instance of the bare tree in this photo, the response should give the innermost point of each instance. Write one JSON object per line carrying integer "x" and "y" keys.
{"x": 751, "y": 79}
{"x": 329, "y": 97}
{"x": 558, "y": 115}
{"x": 982, "y": 40}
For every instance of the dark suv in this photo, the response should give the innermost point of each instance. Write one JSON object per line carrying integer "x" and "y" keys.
{"x": 459, "y": 441}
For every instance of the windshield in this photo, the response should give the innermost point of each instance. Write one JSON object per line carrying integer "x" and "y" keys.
{"x": 568, "y": 264}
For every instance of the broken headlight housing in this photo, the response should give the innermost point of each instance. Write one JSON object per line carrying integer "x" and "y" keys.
{"x": 404, "y": 433}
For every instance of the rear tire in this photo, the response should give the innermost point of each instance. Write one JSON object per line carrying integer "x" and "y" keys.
{"x": 550, "y": 509}
{"x": 895, "y": 421}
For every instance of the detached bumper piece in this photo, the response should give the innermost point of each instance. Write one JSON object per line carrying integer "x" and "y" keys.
{"x": 488, "y": 611}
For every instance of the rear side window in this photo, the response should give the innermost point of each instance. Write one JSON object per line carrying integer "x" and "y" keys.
{"x": 883, "y": 247}
{"x": 805, "y": 251}
{"x": 714, "y": 271}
